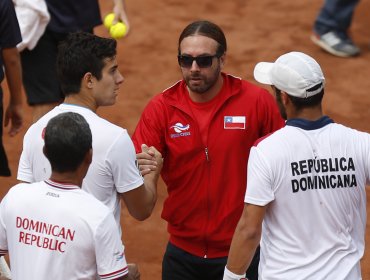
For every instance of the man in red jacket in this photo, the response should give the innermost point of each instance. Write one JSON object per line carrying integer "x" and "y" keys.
{"x": 204, "y": 126}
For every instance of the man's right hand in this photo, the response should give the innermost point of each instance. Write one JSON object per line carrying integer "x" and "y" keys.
{"x": 133, "y": 272}
{"x": 150, "y": 159}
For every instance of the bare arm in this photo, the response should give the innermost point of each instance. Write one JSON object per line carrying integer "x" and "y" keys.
{"x": 5, "y": 272}
{"x": 141, "y": 201}
{"x": 133, "y": 272}
{"x": 13, "y": 72}
{"x": 246, "y": 239}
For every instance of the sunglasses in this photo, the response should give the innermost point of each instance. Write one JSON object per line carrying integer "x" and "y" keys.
{"x": 205, "y": 61}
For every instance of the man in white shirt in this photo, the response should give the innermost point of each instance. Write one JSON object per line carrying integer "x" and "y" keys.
{"x": 306, "y": 185}
{"x": 54, "y": 230}
{"x": 90, "y": 78}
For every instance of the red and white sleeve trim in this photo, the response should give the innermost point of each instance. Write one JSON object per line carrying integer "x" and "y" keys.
{"x": 3, "y": 252}
{"x": 115, "y": 274}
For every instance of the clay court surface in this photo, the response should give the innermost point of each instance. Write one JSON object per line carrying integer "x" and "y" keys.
{"x": 256, "y": 30}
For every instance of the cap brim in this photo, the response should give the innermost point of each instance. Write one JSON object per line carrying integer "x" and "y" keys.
{"x": 262, "y": 72}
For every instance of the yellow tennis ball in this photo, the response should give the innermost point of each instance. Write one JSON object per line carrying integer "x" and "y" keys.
{"x": 108, "y": 20}
{"x": 118, "y": 30}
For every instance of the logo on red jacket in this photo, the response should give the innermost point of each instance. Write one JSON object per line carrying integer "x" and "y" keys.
{"x": 181, "y": 130}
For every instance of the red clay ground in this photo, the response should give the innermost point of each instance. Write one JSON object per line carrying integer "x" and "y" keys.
{"x": 256, "y": 30}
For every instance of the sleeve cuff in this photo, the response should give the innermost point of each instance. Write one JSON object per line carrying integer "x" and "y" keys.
{"x": 228, "y": 275}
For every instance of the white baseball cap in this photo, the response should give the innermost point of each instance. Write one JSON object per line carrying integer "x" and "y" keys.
{"x": 295, "y": 73}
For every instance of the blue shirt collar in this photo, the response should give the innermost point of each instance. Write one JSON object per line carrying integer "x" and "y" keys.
{"x": 310, "y": 125}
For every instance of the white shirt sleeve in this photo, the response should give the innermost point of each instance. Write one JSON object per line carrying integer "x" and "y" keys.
{"x": 109, "y": 250}
{"x": 259, "y": 187}
{"x": 33, "y": 17}
{"x": 122, "y": 161}
{"x": 33, "y": 165}
{"x": 3, "y": 238}
{"x": 25, "y": 166}
{"x": 367, "y": 154}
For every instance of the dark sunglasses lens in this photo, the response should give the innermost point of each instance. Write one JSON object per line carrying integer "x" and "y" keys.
{"x": 185, "y": 61}
{"x": 204, "y": 61}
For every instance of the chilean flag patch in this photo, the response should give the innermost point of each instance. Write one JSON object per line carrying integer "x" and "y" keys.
{"x": 234, "y": 122}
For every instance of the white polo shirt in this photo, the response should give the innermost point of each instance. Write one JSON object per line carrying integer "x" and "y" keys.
{"x": 56, "y": 231}
{"x": 113, "y": 168}
{"x": 313, "y": 176}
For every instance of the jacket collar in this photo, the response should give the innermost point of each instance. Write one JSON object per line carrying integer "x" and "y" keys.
{"x": 176, "y": 94}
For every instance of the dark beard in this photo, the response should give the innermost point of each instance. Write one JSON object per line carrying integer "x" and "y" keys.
{"x": 280, "y": 104}
{"x": 208, "y": 83}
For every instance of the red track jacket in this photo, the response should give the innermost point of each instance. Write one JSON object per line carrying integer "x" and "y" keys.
{"x": 206, "y": 181}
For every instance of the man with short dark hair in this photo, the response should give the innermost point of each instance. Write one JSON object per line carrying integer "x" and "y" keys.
{"x": 54, "y": 230}
{"x": 306, "y": 184}
{"x": 89, "y": 76}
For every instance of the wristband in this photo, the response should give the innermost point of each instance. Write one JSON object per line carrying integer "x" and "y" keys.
{"x": 228, "y": 275}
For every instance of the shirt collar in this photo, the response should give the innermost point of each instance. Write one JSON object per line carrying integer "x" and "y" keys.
{"x": 310, "y": 125}
{"x": 61, "y": 186}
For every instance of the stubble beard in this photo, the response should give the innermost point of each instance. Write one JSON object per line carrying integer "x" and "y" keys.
{"x": 281, "y": 107}
{"x": 206, "y": 82}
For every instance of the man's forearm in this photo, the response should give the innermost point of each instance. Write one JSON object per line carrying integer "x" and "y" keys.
{"x": 242, "y": 249}
{"x": 150, "y": 183}
{"x": 13, "y": 72}
{"x": 246, "y": 238}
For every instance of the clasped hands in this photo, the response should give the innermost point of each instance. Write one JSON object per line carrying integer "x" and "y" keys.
{"x": 149, "y": 160}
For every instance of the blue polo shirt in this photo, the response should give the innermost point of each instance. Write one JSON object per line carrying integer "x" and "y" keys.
{"x": 73, "y": 15}
{"x": 10, "y": 34}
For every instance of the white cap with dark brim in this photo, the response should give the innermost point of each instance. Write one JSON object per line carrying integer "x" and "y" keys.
{"x": 295, "y": 73}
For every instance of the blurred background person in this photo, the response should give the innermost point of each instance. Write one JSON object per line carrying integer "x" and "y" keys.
{"x": 331, "y": 28}
{"x": 10, "y": 36}
{"x": 39, "y": 64}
